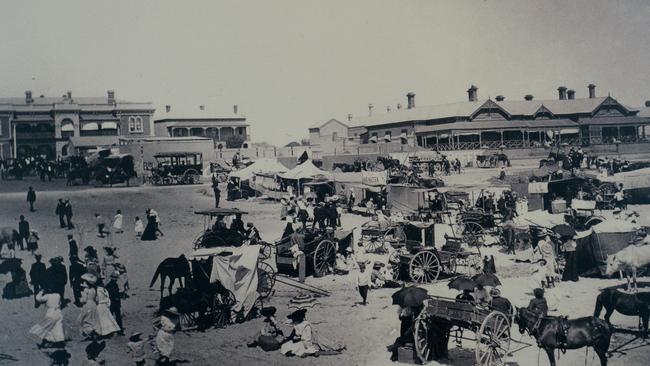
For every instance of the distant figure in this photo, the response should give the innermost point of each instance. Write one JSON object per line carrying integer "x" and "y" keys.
{"x": 237, "y": 224}
{"x": 73, "y": 248}
{"x": 37, "y": 276}
{"x": 68, "y": 214}
{"x": 60, "y": 211}
{"x": 363, "y": 283}
{"x": 101, "y": 224}
{"x": 32, "y": 241}
{"x": 117, "y": 222}
{"x": 23, "y": 231}
{"x": 115, "y": 295}
{"x": 499, "y": 303}
{"x": 139, "y": 227}
{"x": 76, "y": 270}
{"x": 31, "y": 198}
{"x": 538, "y": 305}
{"x": 50, "y": 329}
{"x": 217, "y": 194}
{"x": 57, "y": 278}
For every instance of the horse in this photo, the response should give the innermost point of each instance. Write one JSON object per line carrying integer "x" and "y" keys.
{"x": 582, "y": 332}
{"x": 626, "y": 304}
{"x": 628, "y": 261}
{"x": 172, "y": 268}
{"x": 9, "y": 236}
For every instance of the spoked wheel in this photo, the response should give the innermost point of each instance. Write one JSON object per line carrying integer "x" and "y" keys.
{"x": 265, "y": 279}
{"x": 421, "y": 337}
{"x": 393, "y": 261}
{"x": 256, "y": 310}
{"x": 472, "y": 233}
{"x": 191, "y": 176}
{"x": 187, "y": 321}
{"x": 222, "y": 309}
{"x": 324, "y": 258}
{"x": 493, "y": 340}
{"x": 266, "y": 250}
{"x": 373, "y": 244}
{"x": 424, "y": 267}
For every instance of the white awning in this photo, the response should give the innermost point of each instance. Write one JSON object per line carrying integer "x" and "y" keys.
{"x": 443, "y": 136}
{"x": 403, "y": 136}
{"x": 467, "y": 133}
{"x": 68, "y": 127}
{"x": 373, "y": 139}
{"x": 387, "y": 138}
{"x": 569, "y": 131}
{"x": 109, "y": 126}
{"x": 92, "y": 126}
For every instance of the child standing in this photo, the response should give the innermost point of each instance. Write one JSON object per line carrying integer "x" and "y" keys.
{"x": 139, "y": 227}
{"x": 135, "y": 346}
{"x": 117, "y": 222}
{"x": 363, "y": 283}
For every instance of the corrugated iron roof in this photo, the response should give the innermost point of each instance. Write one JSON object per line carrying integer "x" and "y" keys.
{"x": 500, "y": 124}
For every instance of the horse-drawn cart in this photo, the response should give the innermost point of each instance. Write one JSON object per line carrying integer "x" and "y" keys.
{"x": 491, "y": 328}
{"x": 377, "y": 236}
{"x": 319, "y": 248}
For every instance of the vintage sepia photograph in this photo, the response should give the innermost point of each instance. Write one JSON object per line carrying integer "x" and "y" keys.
{"x": 325, "y": 182}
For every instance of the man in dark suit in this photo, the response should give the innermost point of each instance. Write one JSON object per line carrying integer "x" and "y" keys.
{"x": 60, "y": 211}
{"x": 73, "y": 250}
{"x": 57, "y": 276}
{"x": 77, "y": 269}
{"x": 37, "y": 276}
{"x": 68, "y": 214}
{"x": 31, "y": 198}
{"x": 23, "y": 230}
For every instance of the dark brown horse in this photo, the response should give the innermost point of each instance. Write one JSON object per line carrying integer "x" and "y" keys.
{"x": 627, "y": 304}
{"x": 172, "y": 268}
{"x": 582, "y": 332}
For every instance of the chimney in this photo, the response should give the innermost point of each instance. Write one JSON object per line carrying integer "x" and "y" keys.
{"x": 349, "y": 117}
{"x": 561, "y": 91}
{"x": 370, "y": 107}
{"x": 528, "y": 97}
{"x": 472, "y": 93}
{"x": 28, "y": 97}
{"x": 592, "y": 91}
{"x": 168, "y": 108}
{"x": 202, "y": 107}
{"x": 410, "y": 98}
{"x": 69, "y": 95}
{"x": 235, "y": 109}
{"x": 111, "y": 96}
{"x": 571, "y": 94}
{"x": 387, "y": 109}
{"x": 399, "y": 106}
{"x": 500, "y": 98}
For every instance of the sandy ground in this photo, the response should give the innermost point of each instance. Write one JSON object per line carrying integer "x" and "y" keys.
{"x": 366, "y": 331}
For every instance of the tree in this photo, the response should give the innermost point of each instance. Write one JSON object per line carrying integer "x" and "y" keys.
{"x": 234, "y": 141}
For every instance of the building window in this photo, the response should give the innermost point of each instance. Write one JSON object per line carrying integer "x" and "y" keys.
{"x": 335, "y": 136}
{"x": 135, "y": 125}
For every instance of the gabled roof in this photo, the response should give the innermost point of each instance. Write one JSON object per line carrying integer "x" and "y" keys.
{"x": 489, "y": 104}
{"x": 323, "y": 124}
{"x": 511, "y": 108}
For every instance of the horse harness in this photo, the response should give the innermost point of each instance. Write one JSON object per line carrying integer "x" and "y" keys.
{"x": 560, "y": 337}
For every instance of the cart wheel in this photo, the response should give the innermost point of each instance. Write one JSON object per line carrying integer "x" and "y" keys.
{"x": 222, "y": 309}
{"x": 265, "y": 279}
{"x": 493, "y": 340}
{"x": 324, "y": 258}
{"x": 266, "y": 251}
{"x": 421, "y": 336}
{"x": 393, "y": 261}
{"x": 373, "y": 245}
{"x": 424, "y": 267}
{"x": 189, "y": 177}
{"x": 593, "y": 221}
{"x": 256, "y": 310}
{"x": 472, "y": 233}
{"x": 187, "y": 321}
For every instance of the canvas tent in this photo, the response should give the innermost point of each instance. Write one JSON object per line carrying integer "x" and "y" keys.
{"x": 306, "y": 170}
{"x": 266, "y": 166}
{"x": 606, "y": 238}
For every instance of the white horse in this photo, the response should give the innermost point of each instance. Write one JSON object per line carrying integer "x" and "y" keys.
{"x": 628, "y": 261}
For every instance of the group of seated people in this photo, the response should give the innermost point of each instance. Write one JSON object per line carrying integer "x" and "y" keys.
{"x": 492, "y": 300}
{"x": 249, "y": 233}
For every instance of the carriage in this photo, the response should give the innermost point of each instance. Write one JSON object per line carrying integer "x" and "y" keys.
{"x": 319, "y": 247}
{"x": 112, "y": 169}
{"x": 377, "y": 236}
{"x": 418, "y": 260}
{"x": 177, "y": 168}
{"x": 491, "y": 328}
{"x": 492, "y": 160}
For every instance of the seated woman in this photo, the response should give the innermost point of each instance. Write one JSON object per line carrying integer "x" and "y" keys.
{"x": 271, "y": 336}
{"x": 300, "y": 342}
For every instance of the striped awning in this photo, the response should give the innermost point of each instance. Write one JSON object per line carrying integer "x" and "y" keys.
{"x": 373, "y": 139}
{"x": 387, "y": 138}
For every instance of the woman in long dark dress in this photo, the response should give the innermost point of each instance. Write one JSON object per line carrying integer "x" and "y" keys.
{"x": 150, "y": 230}
{"x": 571, "y": 272}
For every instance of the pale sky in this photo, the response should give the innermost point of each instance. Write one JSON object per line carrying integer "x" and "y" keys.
{"x": 289, "y": 64}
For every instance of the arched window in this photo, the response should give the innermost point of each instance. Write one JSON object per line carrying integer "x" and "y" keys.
{"x": 135, "y": 125}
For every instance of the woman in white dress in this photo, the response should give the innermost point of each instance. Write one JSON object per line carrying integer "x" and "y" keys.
{"x": 95, "y": 318}
{"x": 50, "y": 329}
{"x": 117, "y": 222}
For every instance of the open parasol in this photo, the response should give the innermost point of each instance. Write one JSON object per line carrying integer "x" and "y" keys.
{"x": 410, "y": 296}
{"x": 462, "y": 283}
{"x": 486, "y": 279}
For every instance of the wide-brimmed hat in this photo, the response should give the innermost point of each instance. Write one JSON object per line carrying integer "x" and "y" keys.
{"x": 89, "y": 277}
{"x": 297, "y": 315}
{"x": 494, "y": 292}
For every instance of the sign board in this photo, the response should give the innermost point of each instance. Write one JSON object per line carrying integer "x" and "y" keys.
{"x": 374, "y": 178}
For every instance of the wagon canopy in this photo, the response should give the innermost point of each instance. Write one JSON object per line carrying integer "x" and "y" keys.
{"x": 266, "y": 166}
{"x": 593, "y": 246}
{"x": 306, "y": 170}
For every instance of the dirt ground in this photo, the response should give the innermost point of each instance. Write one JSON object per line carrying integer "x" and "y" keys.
{"x": 366, "y": 331}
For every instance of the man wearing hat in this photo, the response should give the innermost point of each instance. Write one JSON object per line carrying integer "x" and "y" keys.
{"x": 37, "y": 276}
{"x": 73, "y": 248}
{"x": 77, "y": 269}
{"x": 499, "y": 303}
{"x": 115, "y": 296}
{"x": 57, "y": 277}
{"x": 538, "y": 305}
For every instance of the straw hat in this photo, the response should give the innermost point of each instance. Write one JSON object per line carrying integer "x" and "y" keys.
{"x": 90, "y": 278}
